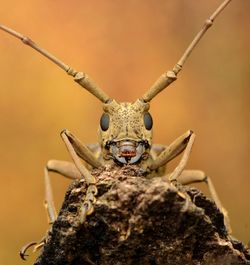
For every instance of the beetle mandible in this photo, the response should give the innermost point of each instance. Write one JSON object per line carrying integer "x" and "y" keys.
{"x": 125, "y": 136}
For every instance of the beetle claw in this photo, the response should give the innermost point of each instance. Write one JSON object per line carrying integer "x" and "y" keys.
{"x": 23, "y": 255}
{"x": 24, "y": 249}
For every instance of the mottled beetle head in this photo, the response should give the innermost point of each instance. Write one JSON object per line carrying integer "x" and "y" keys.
{"x": 126, "y": 131}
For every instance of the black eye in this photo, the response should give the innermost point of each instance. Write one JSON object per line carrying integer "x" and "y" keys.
{"x": 104, "y": 121}
{"x": 148, "y": 121}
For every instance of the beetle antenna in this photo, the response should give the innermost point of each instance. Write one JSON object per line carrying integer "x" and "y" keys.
{"x": 81, "y": 78}
{"x": 170, "y": 76}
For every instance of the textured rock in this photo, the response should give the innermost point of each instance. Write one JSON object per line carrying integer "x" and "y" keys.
{"x": 140, "y": 221}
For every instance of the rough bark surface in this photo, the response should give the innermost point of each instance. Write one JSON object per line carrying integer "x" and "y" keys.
{"x": 140, "y": 221}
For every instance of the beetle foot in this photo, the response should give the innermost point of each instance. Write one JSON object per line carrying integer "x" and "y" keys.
{"x": 88, "y": 204}
{"x": 36, "y": 246}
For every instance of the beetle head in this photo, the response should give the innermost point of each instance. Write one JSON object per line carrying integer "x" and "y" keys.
{"x": 126, "y": 131}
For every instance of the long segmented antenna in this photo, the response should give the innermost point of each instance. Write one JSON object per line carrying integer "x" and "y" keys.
{"x": 81, "y": 78}
{"x": 170, "y": 76}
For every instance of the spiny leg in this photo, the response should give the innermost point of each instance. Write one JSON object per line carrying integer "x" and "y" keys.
{"x": 194, "y": 176}
{"x": 66, "y": 169}
{"x": 87, "y": 207}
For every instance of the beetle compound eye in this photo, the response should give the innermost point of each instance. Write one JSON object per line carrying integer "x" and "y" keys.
{"x": 148, "y": 121}
{"x": 104, "y": 122}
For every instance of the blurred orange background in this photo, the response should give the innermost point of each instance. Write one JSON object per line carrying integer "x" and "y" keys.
{"x": 124, "y": 46}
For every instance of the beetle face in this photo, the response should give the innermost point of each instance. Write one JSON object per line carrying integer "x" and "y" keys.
{"x": 126, "y": 131}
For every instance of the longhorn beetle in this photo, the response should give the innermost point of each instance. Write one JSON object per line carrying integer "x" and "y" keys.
{"x": 125, "y": 137}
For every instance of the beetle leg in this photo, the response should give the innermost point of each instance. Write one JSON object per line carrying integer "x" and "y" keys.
{"x": 37, "y": 245}
{"x": 87, "y": 207}
{"x": 194, "y": 176}
{"x": 49, "y": 201}
{"x": 171, "y": 151}
{"x": 82, "y": 150}
{"x": 66, "y": 169}
{"x": 184, "y": 177}
{"x": 183, "y": 162}
{"x": 24, "y": 249}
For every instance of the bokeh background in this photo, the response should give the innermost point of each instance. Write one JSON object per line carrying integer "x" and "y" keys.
{"x": 124, "y": 46}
